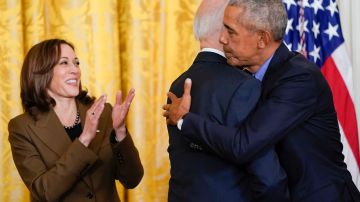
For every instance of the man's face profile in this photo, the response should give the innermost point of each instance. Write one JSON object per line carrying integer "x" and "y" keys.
{"x": 240, "y": 44}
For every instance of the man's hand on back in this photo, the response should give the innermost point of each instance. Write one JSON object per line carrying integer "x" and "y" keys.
{"x": 178, "y": 106}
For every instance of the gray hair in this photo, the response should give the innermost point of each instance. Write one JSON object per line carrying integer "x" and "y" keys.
{"x": 209, "y": 18}
{"x": 269, "y": 15}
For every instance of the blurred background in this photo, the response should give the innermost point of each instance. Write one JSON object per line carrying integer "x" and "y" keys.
{"x": 144, "y": 44}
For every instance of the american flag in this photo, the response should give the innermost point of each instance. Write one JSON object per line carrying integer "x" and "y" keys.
{"x": 314, "y": 30}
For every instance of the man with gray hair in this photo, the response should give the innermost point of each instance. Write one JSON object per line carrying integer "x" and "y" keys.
{"x": 295, "y": 112}
{"x": 223, "y": 95}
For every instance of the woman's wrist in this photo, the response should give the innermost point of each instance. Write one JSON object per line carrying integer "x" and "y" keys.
{"x": 85, "y": 140}
{"x": 120, "y": 133}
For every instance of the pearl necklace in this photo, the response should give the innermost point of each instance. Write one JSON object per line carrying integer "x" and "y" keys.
{"x": 77, "y": 121}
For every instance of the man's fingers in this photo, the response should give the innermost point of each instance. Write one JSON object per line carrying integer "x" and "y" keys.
{"x": 166, "y": 107}
{"x": 172, "y": 96}
{"x": 166, "y": 114}
{"x": 187, "y": 86}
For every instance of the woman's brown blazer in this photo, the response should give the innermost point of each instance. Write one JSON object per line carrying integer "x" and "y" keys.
{"x": 56, "y": 169}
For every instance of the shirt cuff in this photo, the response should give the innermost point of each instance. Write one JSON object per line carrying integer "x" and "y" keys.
{"x": 179, "y": 123}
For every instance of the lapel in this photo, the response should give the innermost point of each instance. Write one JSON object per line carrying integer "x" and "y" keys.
{"x": 94, "y": 145}
{"x": 49, "y": 129}
{"x": 276, "y": 67}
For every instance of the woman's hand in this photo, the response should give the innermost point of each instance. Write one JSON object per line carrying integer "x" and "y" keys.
{"x": 120, "y": 110}
{"x": 92, "y": 121}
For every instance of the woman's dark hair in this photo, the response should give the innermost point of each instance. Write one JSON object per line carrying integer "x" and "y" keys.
{"x": 37, "y": 73}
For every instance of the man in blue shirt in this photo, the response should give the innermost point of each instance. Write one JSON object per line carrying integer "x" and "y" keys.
{"x": 225, "y": 95}
{"x": 295, "y": 111}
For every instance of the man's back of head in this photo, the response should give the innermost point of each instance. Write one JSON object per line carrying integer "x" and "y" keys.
{"x": 208, "y": 23}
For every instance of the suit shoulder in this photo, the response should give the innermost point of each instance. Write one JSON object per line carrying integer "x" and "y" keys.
{"x": 21, "y": 119}
{"x": 236, "y": 74}
{"x": 301, "y": 64}
{"x": 179, "y": 79}
{"x": 18, "y": 124}
{"x": 223, "y": 70}
{"x": 299, "y": 69}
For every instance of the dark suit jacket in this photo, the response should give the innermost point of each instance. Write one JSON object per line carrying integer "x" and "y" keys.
{"x": 56, "y": 169}
{"x": 224, "y": 95}
{"x": 296, "y": 111}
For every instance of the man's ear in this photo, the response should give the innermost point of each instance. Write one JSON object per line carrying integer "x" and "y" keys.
{"x": 263, "y": 38}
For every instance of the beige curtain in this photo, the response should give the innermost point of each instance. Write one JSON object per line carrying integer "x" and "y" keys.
{"x": 121, "y": 44}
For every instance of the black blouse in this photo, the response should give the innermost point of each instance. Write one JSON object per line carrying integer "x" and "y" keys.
{"x": 74, "y": 132}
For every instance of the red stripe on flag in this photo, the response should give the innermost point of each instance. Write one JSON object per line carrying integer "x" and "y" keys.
{"x": 344, "y": 105}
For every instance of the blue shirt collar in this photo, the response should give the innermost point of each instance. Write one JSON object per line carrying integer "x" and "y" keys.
{"x": 261, "y": 72}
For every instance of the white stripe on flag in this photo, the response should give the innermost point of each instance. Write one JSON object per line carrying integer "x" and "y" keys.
{"x": 350, "y": 160}
{"x": 342, "y": 62}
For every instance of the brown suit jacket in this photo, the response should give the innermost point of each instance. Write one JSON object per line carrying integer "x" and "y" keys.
{"x": 56, "y": 169}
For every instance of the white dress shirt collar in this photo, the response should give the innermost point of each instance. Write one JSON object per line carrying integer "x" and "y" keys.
{"x": 213, "y": 50}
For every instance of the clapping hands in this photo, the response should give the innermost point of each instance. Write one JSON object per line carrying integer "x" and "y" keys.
{"x": 119, "y": 113}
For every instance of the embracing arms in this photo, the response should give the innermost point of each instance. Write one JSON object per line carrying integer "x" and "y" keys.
{"x": 289, "y": 104}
